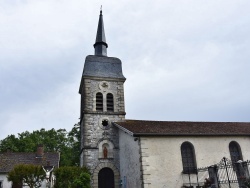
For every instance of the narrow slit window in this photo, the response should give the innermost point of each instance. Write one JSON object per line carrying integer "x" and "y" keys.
{"x": 110, "y": 102}
{"x": 99, "y": 102}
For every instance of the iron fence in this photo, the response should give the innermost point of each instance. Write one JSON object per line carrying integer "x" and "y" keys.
{"x": 224, "y": 174}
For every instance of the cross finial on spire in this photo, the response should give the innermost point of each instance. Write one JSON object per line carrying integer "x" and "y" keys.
{"x": 101, "y": 9}
{"x": 100, "y": 43}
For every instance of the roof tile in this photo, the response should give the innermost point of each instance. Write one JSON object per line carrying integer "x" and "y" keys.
{"x": 9, "y": 159}
{"x": 142, "y": 127}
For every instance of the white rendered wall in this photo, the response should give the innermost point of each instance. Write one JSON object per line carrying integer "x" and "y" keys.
{"x": 5, "y": 182}
{"x": 129, "y": 161}
{"x": 162, "y": 163}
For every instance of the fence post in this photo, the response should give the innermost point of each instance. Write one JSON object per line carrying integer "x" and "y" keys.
{"x": 212, "y": 171}
{"x": 245, "y": 167}
{"x": 241, "y": 172}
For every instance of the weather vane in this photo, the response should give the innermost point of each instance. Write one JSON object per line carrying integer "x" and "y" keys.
{"x": 101, "y": 9}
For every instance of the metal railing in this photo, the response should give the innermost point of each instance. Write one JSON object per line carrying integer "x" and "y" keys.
{"x": 224, "y": 174}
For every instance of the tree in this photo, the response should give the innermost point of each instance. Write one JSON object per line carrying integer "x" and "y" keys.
{"x": 74, "y": 137}
{"x": 72, "y": 177}
{"x": 29, "y": 174}
{"x": 67, "y": 143}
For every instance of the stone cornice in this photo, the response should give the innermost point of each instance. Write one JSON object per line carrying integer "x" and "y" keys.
{"x": 104, "y": 113}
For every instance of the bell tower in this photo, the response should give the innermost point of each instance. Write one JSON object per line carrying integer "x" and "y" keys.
{"x": 102, "y": 102}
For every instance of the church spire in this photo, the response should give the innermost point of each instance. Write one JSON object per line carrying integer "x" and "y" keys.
{"x": 100, "y": 43}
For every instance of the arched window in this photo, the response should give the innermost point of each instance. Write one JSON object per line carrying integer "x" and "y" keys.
{"x": 235, "y": 151}
{"x": 110, "y": 102}
{"x": 99, "y": 102}
{"x": 188, "y": 158}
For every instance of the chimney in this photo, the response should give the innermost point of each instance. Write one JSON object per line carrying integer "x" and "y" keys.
{"x": 39, "y": 151}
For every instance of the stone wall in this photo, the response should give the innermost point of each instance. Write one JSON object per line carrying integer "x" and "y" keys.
{"x": 93, "y": 86}
{"x": 94, "y": 135}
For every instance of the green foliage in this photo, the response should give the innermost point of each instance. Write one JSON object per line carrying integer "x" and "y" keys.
{"x": 72, "y": 177}
{"x": 29, "y": 174}
{"x": 68, "y": 144}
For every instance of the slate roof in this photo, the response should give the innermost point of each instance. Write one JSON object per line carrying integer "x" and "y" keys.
{"x": 102, "y": 66}
{"x": 100, "y": 42}
{"x": 181, "y": 128}
{"x": 100, "y": 35}
{"x": 9, "y": 159}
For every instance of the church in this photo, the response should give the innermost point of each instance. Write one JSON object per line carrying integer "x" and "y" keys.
{"x": 150, "y": 154}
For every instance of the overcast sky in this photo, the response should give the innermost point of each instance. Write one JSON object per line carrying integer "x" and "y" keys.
{"x": 184, "y": 60}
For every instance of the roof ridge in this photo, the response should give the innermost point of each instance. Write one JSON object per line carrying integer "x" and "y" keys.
{"x": 188, "y": 121}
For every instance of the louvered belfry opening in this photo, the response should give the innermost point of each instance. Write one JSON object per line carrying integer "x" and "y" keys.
{"x": 99, "y": 102}
{"x": 110, "y": 102}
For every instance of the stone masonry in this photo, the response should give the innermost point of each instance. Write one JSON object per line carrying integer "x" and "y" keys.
{"x": 92, "y": 131}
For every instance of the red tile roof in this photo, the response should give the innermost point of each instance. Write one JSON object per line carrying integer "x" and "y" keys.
{"x": 147, "y": 128}
{"x": 9, "y": 159}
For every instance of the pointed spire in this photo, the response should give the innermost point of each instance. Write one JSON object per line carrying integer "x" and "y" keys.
{"x": 100, "y": 43}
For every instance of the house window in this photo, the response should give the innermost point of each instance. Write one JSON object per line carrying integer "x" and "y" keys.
{"x": 235, "y": 151}
{"x": 188, "y": 158}
{"x": 99, "y": 102}
{"x": 110, "y": 102}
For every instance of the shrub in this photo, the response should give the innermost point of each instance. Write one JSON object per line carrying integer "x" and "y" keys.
{"x": 72, "y": 177}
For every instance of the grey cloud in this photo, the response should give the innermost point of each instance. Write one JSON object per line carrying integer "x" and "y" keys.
{"x": 183, "y": 60}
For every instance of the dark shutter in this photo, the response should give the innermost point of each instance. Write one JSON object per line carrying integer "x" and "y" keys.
{"x": 99, "y": 102}
{"x": 110, "y": 102}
